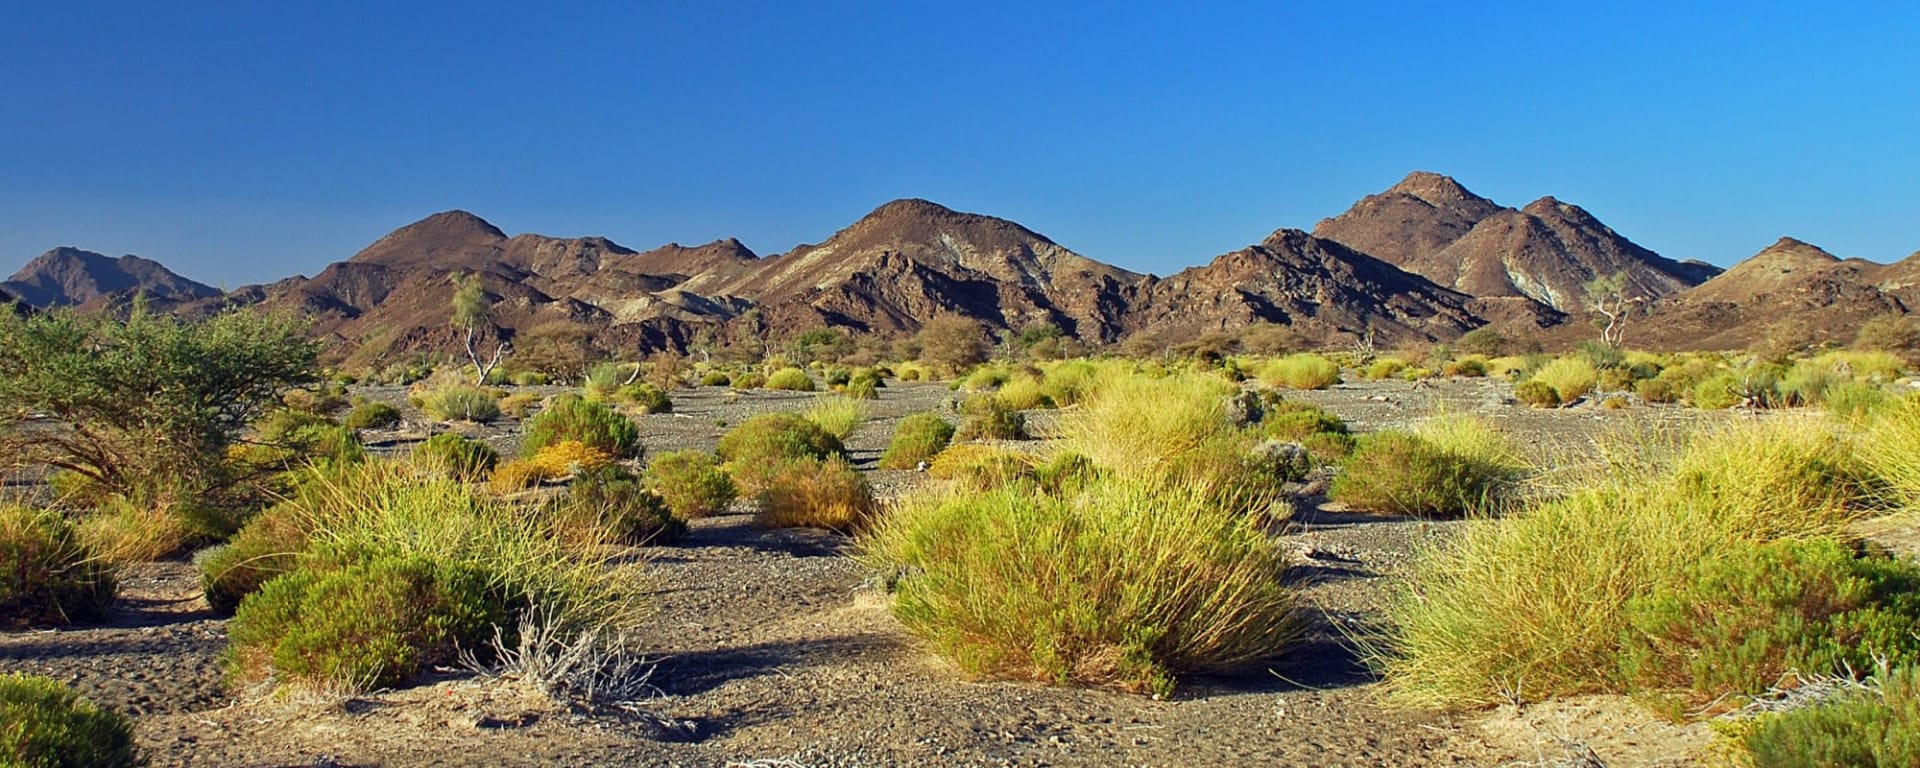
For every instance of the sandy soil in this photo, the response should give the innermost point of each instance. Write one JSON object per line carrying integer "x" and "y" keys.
{"x": 775, "y": 650}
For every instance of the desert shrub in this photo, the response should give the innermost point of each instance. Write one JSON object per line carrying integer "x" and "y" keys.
{"x": 370, "y": 624}
{"x": 519, "y": 404}
{"x": 529, "y": 379}
{"x": 1777, "y": 478}
{"x": 1614, "y": 380}
{"x": 48, "y": 576}
{"x": 516, "y": 475}
{"x": 862, "y": 389}
{"x": 323, "y": 399}
{"x": 1741, "y": 620}
{"x": 838, "y": 416}
{"x": 835, "y": 376}
{"x": 146, "y": 406}
{"x": 1024, "y": 393}
{"x": 1124, "y": 584}
{"x": 1066, "y": 473}
{"x": 1538, "y": 394}
{"x": 567, "y": 458}
{"x": 461, "y": 402}
{"x": 1452, "y": 466}
{"x": 980, "y": 466}
{"x": 691, "y": 482}
{"x": 1857, "y": 400}
{"x": 987, "y": 418}
{"x": 749, "y": 380}
{"x": 1300, "y": 371}
{"x": 1889, "y": 447}
{"x": 1385, "y": 368}
{"x": 790, "y": 379}
{"x": 985, "y": 378}
{"x": 1232, "y": 472}
{"x": 1295, "y": 421}
{"x": 456, "y": 456}
{"x": 1139, "y": 426}
{"x": 1571, "y": 377}
{"x": 1869, "y": 727}
{"x": 371, "y": 414}
{"x": 1898, "y": 334}
{"x": 44, "y": 724}
{"x": 916, "y": 438}
{"x": 612, "y": 505}
{"x": 1470, "y": 367}
{"x": 645, "y": 396}
{"x": 716, "y": 379}
{"x": 1070, "y": 383}
{"x": 122, "y": 530}
{"x": 755, "y": 451}
{"x": 1656, "y": 390}
{"x": 394, "y": 568}
{"x": 570, "y": 417}
{"x": 810, "y": 493}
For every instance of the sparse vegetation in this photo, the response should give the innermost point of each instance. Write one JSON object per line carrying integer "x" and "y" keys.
{"x": 371, "y": 415}
{"x": 1300, "y": 371}
{"x": 591, "y": 422}
{"x": 812, "y": 493}
{"x": 461, "y": 402}
{"x": 1450, "y": 466}
{"x": 988, "y": 418}
{"x": 1571, "y": 377}
{"x": 838, "y": 416}
{"x": 457, "y": 456}
{"x": 757, "y": 450}
{"x": 790, "y": 379}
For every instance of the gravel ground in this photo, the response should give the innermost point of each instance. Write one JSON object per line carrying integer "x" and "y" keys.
{"x": 773, "y": 646}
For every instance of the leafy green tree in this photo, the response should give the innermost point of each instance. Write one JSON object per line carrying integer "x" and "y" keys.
{"x": 145, "y": 405}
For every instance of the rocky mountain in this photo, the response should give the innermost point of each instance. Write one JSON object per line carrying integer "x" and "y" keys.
{"x": 1791, "y": 292}
{"x": 71, "y": 277}
{"x": 1546, "y": 252}
{"x": 1322, "y": 289}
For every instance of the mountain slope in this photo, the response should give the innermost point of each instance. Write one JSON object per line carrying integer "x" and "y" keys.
{"x": 1790, "y": 292}
{"x": 1547, "y": 252}
{"x": 71, "y": 277}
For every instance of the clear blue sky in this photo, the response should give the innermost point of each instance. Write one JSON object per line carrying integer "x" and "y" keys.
{"x": 247, "y": 141}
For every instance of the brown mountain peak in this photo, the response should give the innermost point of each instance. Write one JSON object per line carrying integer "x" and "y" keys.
{"x": 447, "y": 239}
{"x": 71, "y": 276}
{"x": 1434, "y": 188}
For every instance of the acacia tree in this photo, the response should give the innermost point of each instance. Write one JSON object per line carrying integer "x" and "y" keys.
{"x": 1608, "y": 296}
{"x": 953, "y": 342}
{"x": 146, "y": 406}
{"x": 471, "y": 308}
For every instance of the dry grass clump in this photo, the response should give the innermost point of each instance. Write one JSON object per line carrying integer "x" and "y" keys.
{"x": 124, "y": 531}
{"x": 461, "y": 402}
{"x": 1449, "y": 465}
{"x": 980, "y": 466}
{"x": 1123, "y": 584}
{"x": 1571, "y": 377}
{"x": 1300, "y": 371}
{"x": 989, "y": 418}
{"x": 1578, "y": 594}
{"x": 394, "y": 572}
{"x": 916, "y": 438}
{"x": 456, "y": 456}
{"x": 838, "y": 416}
{"x": 810, "y": 493}
{"x": 790, "y": 379}
{"x": 1138, "y": 425}
{"x": 49, "y": 577}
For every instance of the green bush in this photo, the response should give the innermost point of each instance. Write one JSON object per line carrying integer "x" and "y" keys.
{"x": 716, "y": 379}
{"x": 1124, "y": 584}
{"x": 862, "y": 389}
{"x": 149, "y": 405}
{"x": 988, "y": 418}
{"x": 529, "y": 379}
{"x": 391, "y": 569}
{"x": 460, "y": 402}
{"x": 457, "y": 456}
{"x": 1739, "y": 621}
{"x": 1295, "y": 421}
{"x": 611, "y": 504}
{"x": 1538, "y": 394}
{"x": 790, "y": 379}
{"x": 749, "y": 381}
{"x": 591, "y": 422}
{"x": 645, "y": 396}
{"x": 370, "y": 624}
{"x": 44, "y": 724}
{"x": 916, "y": 438}
{"x": 1409, "y": 474}
{"x": 1300, "y": 371}
{"x": 1866, "y": 728}
{"x": 48, "y": 576}
{"x": 691, "y": 482}
{"x": 756, "y": 450}
{"x": 372, "y": 414}
{"x": 1385, "y": 368}
{"x": 1658, "y": 389}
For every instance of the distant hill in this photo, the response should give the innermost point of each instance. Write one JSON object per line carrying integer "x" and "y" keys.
{"x": 1432, "y": 226}
{"x": 72, "y": 277}
{"x": 1791, "y": 291}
